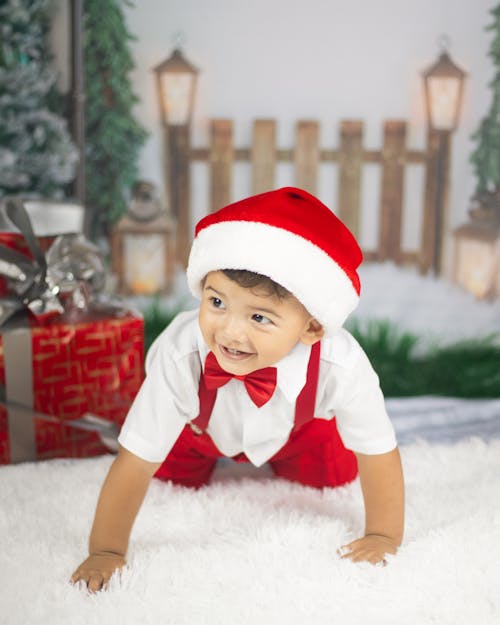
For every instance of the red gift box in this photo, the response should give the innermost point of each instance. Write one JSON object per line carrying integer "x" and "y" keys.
{"x": 26, "y": 435}
{"x": 67, "y": 367}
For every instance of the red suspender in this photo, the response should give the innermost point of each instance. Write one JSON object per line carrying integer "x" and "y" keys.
{"x": 306, "y": 401}
{"x": 207, "y": 401}
{"x": 304, "y": 406}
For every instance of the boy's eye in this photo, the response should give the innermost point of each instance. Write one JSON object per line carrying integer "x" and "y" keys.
{"x": 261, "y": 319}
{"x": 217, "y": 303}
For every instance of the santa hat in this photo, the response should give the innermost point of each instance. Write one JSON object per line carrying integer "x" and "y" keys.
{"x": 291, "y": 237}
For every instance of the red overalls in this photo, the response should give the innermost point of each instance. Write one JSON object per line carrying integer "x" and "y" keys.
{"x": 314, "y": 454}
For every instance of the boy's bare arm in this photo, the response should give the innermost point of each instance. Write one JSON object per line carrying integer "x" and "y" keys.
{"x": 121, "y": 497}
{"x": 381, "y": 478}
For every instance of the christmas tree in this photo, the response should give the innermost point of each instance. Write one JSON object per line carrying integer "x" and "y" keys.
{"x": 113, "y": 136}
{"x": 37, "y": 156}
{"x": 486, "y": 156}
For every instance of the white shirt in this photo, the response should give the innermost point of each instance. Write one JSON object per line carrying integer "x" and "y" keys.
{"x": 348, "y": 389}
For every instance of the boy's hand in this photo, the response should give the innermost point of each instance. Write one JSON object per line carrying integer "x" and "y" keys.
{"x": 97, "y": 569}
{"x": 371, "y": 548}
{"x": 120, "y": 499}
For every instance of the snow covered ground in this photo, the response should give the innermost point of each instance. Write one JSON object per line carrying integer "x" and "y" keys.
{"x": 432, "y": 308}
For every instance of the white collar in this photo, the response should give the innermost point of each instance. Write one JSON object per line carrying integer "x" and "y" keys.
{"x": 292, "y": 369}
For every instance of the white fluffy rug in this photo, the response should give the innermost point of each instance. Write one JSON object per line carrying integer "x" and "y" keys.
{"x": 259, "y": 551}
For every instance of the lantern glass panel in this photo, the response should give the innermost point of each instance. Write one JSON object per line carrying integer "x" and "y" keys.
{"x": 444, "y": 93}
{"x": 177, "y": 88}
{"x": 144, "y": 263}
{"x": 478, "y": 266}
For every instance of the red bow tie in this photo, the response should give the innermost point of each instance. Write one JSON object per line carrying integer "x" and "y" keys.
{"x": 260, "y": 384}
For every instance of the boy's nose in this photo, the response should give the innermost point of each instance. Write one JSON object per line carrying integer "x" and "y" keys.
{"x": 234, "y": 331}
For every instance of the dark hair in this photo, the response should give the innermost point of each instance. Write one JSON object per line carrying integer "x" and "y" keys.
{"x": 251, "y": 280}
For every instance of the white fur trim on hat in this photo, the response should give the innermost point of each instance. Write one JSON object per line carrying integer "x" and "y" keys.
{"x": 292, "y": 261}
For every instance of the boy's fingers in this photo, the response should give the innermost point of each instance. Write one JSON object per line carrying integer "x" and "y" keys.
{"x": 95, "y": 582}
{"x": 95, "y": 573}
{"x": 76, "y": 577}
{"x": 344, "y": 552}
{"x": 358, "y": 552}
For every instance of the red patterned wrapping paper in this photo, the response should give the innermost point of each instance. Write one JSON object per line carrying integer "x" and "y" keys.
{"x": 91, "y": 365}
{"x": 53, "y": 438}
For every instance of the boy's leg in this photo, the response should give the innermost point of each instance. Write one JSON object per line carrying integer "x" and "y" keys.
{"x": 191, "y": 460}
{"x": 315, "y": 456}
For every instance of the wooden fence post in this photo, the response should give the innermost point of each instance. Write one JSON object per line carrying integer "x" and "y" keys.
{"x": 391, "y": 199}
{"x": 263, "y": 155}
{"x": 221, "y": 163}
{"x": 350, "y": 161}
{"x": 307, "y": 156}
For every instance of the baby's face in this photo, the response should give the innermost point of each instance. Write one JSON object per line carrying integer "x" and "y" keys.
{"x": 248, "y": 329}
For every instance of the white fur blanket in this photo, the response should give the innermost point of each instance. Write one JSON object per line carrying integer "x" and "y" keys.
{"x": 255, "y": 550}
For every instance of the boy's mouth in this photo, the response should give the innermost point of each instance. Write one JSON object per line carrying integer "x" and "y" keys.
{"x": 234, "y": 354}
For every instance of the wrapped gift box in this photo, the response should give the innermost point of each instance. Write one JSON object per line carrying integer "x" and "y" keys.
{"x": 67, "y": 353}
{"x": 69, "y": 367}
{"x": 93, "y": 363}
{"x": 26, "y": 435}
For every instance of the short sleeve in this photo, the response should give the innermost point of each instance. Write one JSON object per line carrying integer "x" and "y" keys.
{"x": 359, "y": 408}
{"x": 166, "y": 401}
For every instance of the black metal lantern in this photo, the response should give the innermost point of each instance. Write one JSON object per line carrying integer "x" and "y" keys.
{"x": 176, "y": 86}
{"x": 443, "y": 84}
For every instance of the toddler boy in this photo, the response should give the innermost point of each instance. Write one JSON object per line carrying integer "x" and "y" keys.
{"x": 263, "y": 372}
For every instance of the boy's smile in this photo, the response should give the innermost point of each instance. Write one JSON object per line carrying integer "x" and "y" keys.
{"x": 248, "y": 329}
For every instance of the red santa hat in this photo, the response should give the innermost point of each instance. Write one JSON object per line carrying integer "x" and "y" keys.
{"x": 291, "y": 237}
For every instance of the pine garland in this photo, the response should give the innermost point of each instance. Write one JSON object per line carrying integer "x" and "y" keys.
{"x": 467, "y": 369}
{"x": 156, "y": 319}
{"x": 37, "y": 155}
{"x": 113, "y": 136}
{"x": 486, "y": 156}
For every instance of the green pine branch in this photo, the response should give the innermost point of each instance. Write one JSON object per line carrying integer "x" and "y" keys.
{"x": 469, "y": 368}
{"x": 486, "y": 156}
{"x": 156, "y": 319}
{"x": 113, "y": 135}
{"x": 37, "y": 155}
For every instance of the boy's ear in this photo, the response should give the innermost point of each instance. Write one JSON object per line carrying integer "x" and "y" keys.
{"x": 313, "y": 332}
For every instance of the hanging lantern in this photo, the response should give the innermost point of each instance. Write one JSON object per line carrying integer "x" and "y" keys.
{"x": 176, "y": 84}
{"x": 443, "y": 84}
